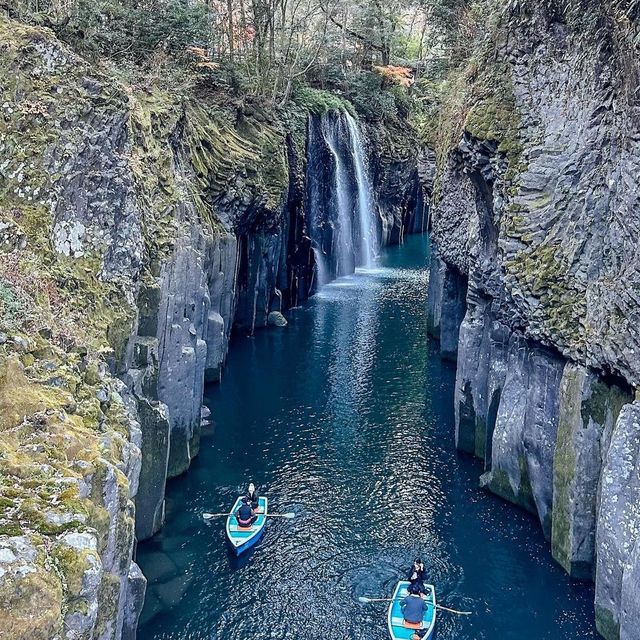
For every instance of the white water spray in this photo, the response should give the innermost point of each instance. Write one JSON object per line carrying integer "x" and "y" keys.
{"x": 366, "y": 209}
{"x": 322, "y": 273}
{"x": 343, "y": 244}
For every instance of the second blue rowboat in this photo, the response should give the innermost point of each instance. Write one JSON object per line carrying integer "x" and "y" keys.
{"x": 243, "y": 538}
{"x": 397, "y": 628}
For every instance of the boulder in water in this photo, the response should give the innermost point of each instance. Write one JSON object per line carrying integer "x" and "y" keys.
{"x": 276, "y": 319}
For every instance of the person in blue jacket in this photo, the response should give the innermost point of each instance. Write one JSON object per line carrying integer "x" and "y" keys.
{"x": 413, "y": 606}
{"x": 245, "y": 515}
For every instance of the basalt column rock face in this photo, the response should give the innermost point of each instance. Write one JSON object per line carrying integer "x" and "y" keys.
{"x": 140, "y": 226}
{"x": 481, "y": 372}
{"x": 524, "y": 434}
{"x": 70, "y": 433}
{"x": 395, "y": 163}
{"x": 537, "y": 209}
{"x": 183, "y": 318}
{"x": 446, "y": 304}
{"x": 589, "y": 408}
{"x": 617, "y": 531}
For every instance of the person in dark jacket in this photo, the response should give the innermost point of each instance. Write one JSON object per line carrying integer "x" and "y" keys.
{"x": 245, "y": 515}
{"x": 413, "y": 606}
{"x": 418, "y": 574}
{"x": 252, "y": 496}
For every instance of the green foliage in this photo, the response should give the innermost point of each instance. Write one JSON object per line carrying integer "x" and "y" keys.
{"x": 124, "y": 29}
{"x": 318, "y": 101}
{"x": 364, "y": 91}
{"x": 10, "y": 305}
{"x": 232, "y": 77}
{"x": 425, "y": 117}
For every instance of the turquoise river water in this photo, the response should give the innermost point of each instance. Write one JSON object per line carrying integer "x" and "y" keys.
{"x": 346, "y": 417}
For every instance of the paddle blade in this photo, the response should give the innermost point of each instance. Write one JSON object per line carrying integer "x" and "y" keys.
{"x": 289, "y": 515}
{"x": 363, "y": 599}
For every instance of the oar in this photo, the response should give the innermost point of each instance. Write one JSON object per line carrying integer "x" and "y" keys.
{"x": 208, "y": 516}
{"x": 438, "y": 606}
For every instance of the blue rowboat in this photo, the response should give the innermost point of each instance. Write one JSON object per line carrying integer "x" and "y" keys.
{"x": 241, "y": 538}
{"x": 397, "y": 628}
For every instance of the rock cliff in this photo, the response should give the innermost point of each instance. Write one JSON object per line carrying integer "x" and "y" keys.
{"x": 140, "y": 223}
{"x": 533, "y": 280}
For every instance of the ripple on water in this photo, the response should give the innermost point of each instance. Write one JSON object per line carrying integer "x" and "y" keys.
{"x": 345, "y": 417}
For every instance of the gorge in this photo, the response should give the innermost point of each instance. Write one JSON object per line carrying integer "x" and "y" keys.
{"x": 156, "y": 213}
{"x": 360, "y": 420}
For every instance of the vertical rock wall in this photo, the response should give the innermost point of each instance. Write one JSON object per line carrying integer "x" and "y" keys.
{"x": 528, "y": 228}
{"x": 589, "y": 409}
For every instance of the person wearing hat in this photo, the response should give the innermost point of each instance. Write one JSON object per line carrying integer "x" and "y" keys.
{"x": 418, "y": 574}
{"x": 413, "y": 607}
{"x": 245, "y": 515}
{"x": 252, "y": 496}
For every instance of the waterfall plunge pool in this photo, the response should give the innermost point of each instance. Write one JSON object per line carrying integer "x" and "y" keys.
{"x": 349, "y": 410}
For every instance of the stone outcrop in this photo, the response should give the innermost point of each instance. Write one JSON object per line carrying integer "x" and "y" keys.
{"x": 617, "y": 530}
{"x": 535, "y": 227}
{"x": 589, "y": 408}
{"x": 151, "y": 224}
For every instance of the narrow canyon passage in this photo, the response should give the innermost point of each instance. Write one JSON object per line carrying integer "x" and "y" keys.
{"x": 346, "y": 417}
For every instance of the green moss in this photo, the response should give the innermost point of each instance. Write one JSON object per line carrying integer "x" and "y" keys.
{"x": 478, "y": 98}
{"x": 541, "y": 201}
{"x": 500, "y": 485}
{"x": 605, "y": 403}
{"x": 72, "y": 565}
{"x": 20, "y": 397}
{"x": 31, "y": 607}
{"x": 31, "y": 513}
{"x": 109, "y": 595}
{"x": 564, "y": 467}
{"x": 120, "y": 328}
{"x": 247, "y": 160}
{"x": 10, "y": 529}
{"x": 543, "y": 272}
{"x": 606, "y": 624}
{"x": 318, "y": 102}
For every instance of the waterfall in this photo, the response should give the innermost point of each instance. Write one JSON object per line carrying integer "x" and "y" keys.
{"x": 343, "y": 242}
{"x": 366, "y": 210}
{"x": 322, "y": 273}
{"x": 340, "y": 211}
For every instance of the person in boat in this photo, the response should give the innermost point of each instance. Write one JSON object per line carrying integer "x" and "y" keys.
{"x": 418, "y": 575}
{"x": 413, "y": 606}
{"x": 245, "y": 515}
{"x": 252, "y": 496}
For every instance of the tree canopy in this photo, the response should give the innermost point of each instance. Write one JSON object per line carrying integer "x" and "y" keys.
{"x": 267, "y": 48}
